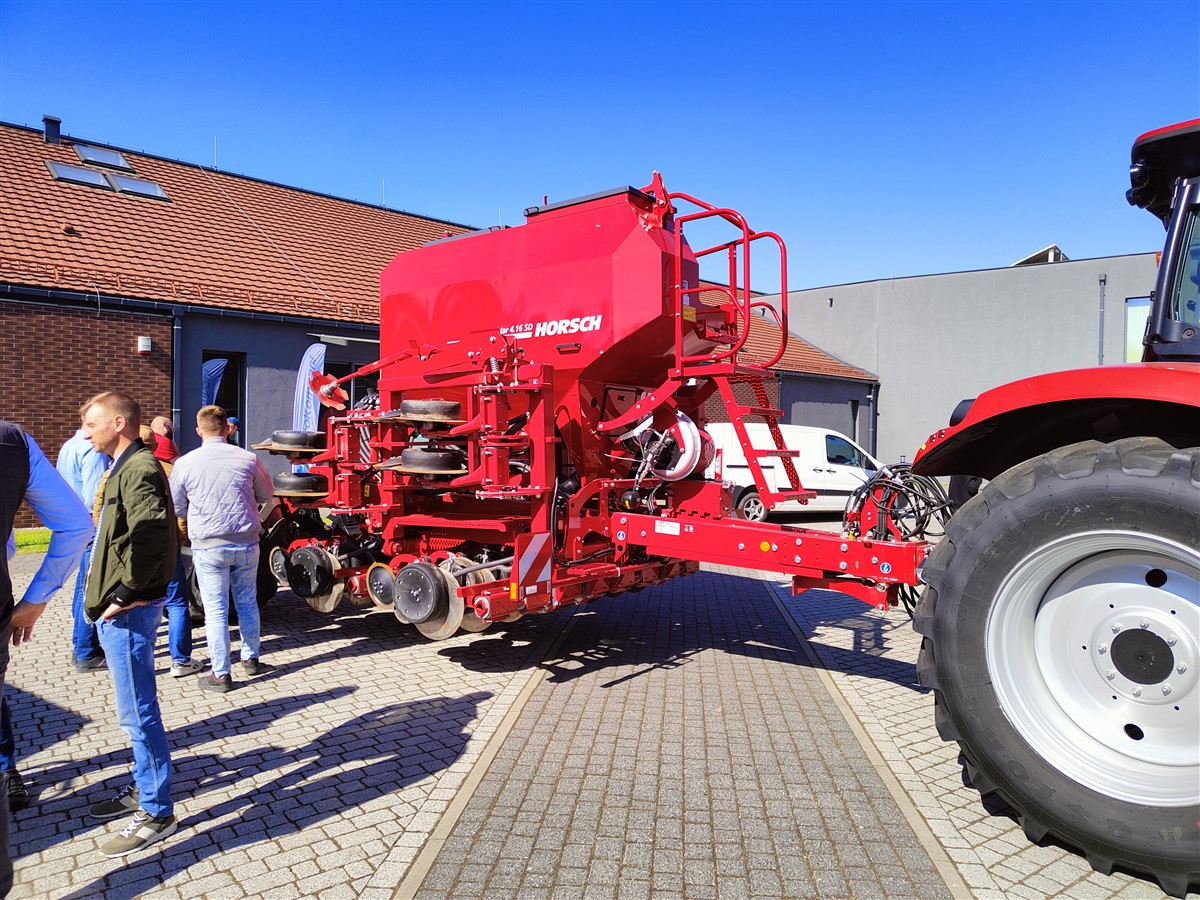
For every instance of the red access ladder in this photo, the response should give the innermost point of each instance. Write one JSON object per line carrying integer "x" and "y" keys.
{"x": 722, "y": 365}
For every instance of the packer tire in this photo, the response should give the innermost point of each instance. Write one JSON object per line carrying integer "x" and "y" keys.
{"x": 419, "y": 458}
{"x": 436, "y": 409}
{"x": 300, "y": 483}
{"x": 303, "y": 440}
{"x": 751, "y": 507}
{"x": 1089, "y": 523}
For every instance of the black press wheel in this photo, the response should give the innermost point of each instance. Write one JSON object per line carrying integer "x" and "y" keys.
{"x": 1061, "y": 628}
{"x": 431, "y": 409}
{"x": 300, "y": 483}
{"x": 303, "y": 440}
{"x": 419, "y": 459}
{"x": 751, "y": 507}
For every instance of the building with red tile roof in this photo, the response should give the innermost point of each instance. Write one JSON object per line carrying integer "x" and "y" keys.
{"x": 121, "y": 270}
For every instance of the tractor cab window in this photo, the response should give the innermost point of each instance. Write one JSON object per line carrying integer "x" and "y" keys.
{"x": 1185, "y": 295}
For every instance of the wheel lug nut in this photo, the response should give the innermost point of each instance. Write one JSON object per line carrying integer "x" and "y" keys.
{"x": 1181, "y": 668}
{"x": 1144, "y": 624}
{"x": 1116, "y": 627}
{"x": 1171, "y": 640}
{"x": 1166, "y": 690}
{"x": 1110, "y": 674}
{"x": 1103, "y": 648}
{"x": 1137, "y": 692}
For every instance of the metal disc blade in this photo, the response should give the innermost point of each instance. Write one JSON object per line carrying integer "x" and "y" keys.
{"x": 472, "y": 623}
{"x": 327, "y": 603}
{"x": 442, "y": 627}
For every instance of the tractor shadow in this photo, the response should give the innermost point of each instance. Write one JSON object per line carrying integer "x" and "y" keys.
{"x": 666, "y": 626}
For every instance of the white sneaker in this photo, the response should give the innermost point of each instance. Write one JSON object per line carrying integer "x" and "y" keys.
{"x": 183, "y": 669}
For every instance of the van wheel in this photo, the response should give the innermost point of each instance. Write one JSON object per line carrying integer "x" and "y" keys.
{"x": 751, "y": 507}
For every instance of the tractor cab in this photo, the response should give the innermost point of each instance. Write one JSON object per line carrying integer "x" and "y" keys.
{"x": 1165, "y": 176}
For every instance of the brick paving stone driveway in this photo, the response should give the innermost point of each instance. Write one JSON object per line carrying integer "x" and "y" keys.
{"x": 326, "y": 771}
{"x": 682, "y": 746}
{"x": 682, "y": 742}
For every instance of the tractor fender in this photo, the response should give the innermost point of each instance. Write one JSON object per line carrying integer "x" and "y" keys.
{"x": 1027, "y": 418}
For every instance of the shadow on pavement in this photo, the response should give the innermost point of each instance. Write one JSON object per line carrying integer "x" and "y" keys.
{"x": 820, "y": 612}
{"x": 390, "y": 748}
{"x": 664, "y": 626}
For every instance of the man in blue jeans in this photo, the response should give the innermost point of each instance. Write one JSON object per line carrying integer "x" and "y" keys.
{"x": 26, "y": 474}
{"x": 218, "y": 488}
{"x": 82, "y": 467}
{"x": 134, "y": 554}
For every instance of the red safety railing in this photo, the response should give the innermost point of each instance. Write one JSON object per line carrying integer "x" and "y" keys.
{"x": 742, "y": 306}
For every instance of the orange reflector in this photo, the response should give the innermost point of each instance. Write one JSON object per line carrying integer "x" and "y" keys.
{"x": 764, "y": 546}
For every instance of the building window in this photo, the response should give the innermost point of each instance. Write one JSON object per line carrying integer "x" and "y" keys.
{"x": 127, "y": 184}
{"x": 78, "y": 175}
{"x": 1137, "y": 310}
{"x": 101, "y": 156}
{"x": 108, "y": 181}
{"x": 223, "y": 382}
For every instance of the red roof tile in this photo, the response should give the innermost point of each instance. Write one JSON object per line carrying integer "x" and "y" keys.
{"x": 799, "y": 356}
{"x": 233, "y": 242}
{"x": 222, "y": 240}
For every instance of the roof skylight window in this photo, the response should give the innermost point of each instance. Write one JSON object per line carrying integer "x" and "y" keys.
{"x": 78, "y": 174}
{"x": 127, "y": 185}
{"x": 101, "y": 157}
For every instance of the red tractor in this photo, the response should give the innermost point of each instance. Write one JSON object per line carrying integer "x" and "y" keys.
{"x": 1061, "y": 617}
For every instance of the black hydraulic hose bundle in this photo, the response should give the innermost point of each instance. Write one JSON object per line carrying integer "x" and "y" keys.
{"x": 916, "y": 506}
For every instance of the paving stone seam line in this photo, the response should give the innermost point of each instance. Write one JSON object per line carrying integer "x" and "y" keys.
{"x": 415, "y": 876}
{"x": 941, "y": 860}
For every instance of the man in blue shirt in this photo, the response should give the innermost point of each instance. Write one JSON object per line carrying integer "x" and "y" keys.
{"x": 26, "y": 474}
{"x": 82, "y": 466}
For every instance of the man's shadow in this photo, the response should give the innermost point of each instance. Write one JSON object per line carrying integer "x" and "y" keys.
{"x": 372, "y": 755}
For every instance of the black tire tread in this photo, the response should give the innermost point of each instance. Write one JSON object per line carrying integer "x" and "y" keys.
{"x": 301, "y": 439}
{"x": 444, "y": 409}
{"x": 1141, "y": 457}
{"x": 294, "y": 482}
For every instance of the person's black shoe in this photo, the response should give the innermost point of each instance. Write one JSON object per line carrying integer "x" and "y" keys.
{"x": 219, "y": 683}
{"x": 14, "y": 786}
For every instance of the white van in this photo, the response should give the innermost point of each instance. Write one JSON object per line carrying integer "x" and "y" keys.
{"x": 829, "y": 463}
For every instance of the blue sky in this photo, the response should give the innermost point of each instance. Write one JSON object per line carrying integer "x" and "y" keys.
{"x": 878, "y": 139}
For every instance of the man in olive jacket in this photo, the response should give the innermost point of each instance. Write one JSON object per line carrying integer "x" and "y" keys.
{"x": 132, "y": 562}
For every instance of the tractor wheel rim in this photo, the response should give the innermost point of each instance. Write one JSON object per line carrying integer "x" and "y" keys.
{"x": 1093, "y": 648}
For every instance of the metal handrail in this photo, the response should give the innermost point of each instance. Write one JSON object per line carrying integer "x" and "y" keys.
{"x": 743, "y": 306}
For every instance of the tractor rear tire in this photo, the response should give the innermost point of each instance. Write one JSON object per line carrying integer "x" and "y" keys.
{"x": 1061, "y": 630}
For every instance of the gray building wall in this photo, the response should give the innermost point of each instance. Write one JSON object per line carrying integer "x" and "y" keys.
{"x": 937, "y": 339}
{"x": 272, "y": 350}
